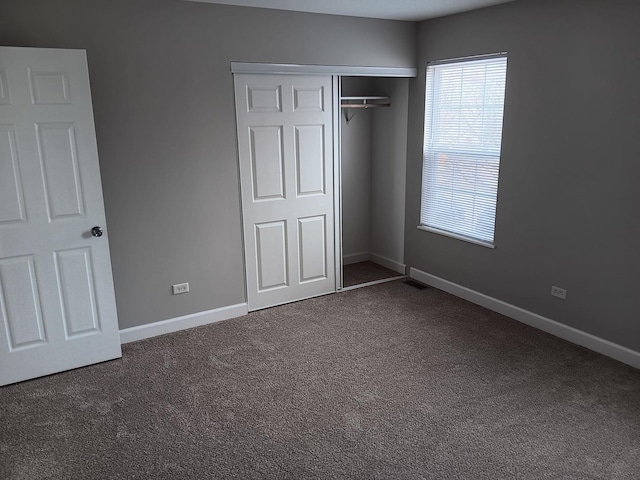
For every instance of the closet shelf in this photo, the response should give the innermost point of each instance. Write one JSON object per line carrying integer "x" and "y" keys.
{"x": 364, "y": 102}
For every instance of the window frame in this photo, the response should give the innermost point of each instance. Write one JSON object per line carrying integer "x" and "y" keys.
{"x": 428, "y": 109}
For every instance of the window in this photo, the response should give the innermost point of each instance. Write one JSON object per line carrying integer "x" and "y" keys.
{"x": 464, "y": 107}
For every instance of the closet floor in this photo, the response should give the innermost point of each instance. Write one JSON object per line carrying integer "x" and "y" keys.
{"x": 363, "y": 272}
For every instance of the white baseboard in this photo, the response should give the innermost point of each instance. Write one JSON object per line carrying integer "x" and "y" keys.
{"x": 387, "y": 262}
{"x": 182, "y": 323}
{"x": 573, "y": 335}
{"x": 375, "y": 258}
{"x": 355, "y": 258}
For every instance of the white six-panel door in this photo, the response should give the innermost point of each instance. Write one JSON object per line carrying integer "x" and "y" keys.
{"x": 285, "y": 143}
{"x": 57, "y": 303}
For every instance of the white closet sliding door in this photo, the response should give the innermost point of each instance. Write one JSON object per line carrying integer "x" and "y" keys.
{"x": 285, "y": 143}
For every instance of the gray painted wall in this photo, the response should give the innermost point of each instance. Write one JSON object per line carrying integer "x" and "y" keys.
{"x": 163, "y": 104}
{"x": 568, "y": 201}
{"x": 374, "y": 152}
{"x": 356, "y": 183}
{"x": 388, "y": 171}
{"x": 355, "y": 146}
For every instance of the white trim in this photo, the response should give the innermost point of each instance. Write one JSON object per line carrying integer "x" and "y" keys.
{"x": 355, "y": 258}
{"x": 288, "y": 68}
{"x": 389, "y": 263}
{"x": 375, "y": 258}
{"x": 375, "y": 282}
{"x": 245, "y": 286}
{"x": 337, "y": 181}
{"x": 456, "y": 236}
{"x": 487, "y": 56}
{"x": 573, "y": 335}
{"x": 182, "y": 323}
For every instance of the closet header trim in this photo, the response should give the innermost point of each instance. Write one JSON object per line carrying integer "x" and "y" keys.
{"x": 344, "y": 70}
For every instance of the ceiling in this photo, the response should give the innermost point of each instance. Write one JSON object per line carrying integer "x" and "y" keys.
{"x": 412, "y": 10}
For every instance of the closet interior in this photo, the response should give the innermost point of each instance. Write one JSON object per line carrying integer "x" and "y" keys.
{"x": 373, "y": 142}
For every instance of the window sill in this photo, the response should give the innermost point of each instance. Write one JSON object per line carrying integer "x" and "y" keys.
{"x": 457, "y": 237}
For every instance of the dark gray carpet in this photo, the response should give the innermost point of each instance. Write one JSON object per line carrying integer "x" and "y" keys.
{"x": 363, "y": 272}
{"x": 384, "y": 382}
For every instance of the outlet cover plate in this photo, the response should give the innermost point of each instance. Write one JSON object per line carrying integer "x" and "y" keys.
{"x": 179, "y": 288}
{"x": 558, "y": 292}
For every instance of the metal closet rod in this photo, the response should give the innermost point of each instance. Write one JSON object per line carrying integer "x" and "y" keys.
{"x": 364, "y": 104}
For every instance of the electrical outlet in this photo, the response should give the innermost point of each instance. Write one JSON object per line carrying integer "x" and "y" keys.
{"x": 559, "y": 293}
{"x": 179, "y": 288}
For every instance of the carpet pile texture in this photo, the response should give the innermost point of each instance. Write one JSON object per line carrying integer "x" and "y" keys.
{"x": 383, "y": 382}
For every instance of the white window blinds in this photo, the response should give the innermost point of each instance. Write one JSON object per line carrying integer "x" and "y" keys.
{"x": 462, "y": 136}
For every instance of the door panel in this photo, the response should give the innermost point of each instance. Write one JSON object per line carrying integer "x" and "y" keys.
{"x": 271, "y": 255}
{"x": 310, "y": 159}
{"x": 267, "y": 163}
{"x": 5, "y": 99}
{"x": 49, "y": 88}
{"x": 20, "y": 302}
{"x": 285, "y": 143}
{"x": 264, "y": 99}
{"x": 57, "y": 149}
{"x": 57, "y": 303}
{"x": 11, "y": 198}
{"x": 312, "y": 248}
{"x": 309, "y": 99}
{"x": 75, "y": 284}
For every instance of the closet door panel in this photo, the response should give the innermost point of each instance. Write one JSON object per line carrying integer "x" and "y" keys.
{"x": 285, "y": 143}
{"x": 310, "y": 159}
